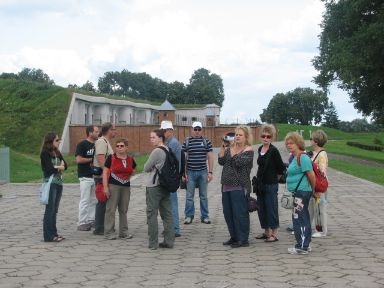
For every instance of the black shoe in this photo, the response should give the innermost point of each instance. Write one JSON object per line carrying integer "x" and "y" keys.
{"x": 95, "y": 232}
{"x": 165, "y": 245}
{"x": 177, "y": 235}
{"x": 239, "y": 244}
{"x": 229, "y": 242}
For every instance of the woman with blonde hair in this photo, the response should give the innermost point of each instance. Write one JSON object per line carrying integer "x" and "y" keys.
{"x": 300, "y": 181}
{"x": 237, "y": 162}
{"x": 270, "y": 169}
{"x": 318, "y": 203}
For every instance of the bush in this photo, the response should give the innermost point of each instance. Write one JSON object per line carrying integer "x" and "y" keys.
{"x": 366, "y": 146}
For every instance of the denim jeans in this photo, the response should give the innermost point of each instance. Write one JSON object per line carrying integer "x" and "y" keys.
{"x": 300, "y": 219}
{"x": 51, "y": 209}
{"x": 269, "y": 207}
{"x": 87, "y": 203}
{"x": 235, "y": 209}
{"x": 175, "y": 212}
{"x": 197, "y": 179}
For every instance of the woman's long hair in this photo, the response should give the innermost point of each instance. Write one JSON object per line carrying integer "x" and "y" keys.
{"x": 48, "y": 144}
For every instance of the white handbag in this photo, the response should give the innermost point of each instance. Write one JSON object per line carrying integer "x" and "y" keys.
{"x": 44, "y": 191}
{"x": 286, "y": 200}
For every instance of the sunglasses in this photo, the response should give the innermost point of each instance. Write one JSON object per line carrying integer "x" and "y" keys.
{"x": 266, "y": 136}
{"x": 120, "y": 146}
{"x": 197, "y": 129}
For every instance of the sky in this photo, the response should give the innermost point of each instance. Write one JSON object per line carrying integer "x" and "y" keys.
{"x": 259, "y": 48}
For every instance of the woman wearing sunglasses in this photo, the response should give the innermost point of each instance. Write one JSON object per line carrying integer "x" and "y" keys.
{"x": 52, "y": 163}
{"x": 270, "y": 169}
{"x": 118, "y": 169}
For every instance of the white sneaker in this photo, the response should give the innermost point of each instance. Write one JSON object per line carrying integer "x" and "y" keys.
{"x": 293, "y": 250}
{"x": 188, "y": 220}
{"x": 309, "y": 249}
{"x": 319, "y": 234}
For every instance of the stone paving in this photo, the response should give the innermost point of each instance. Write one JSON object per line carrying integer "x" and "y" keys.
{"x": 352, "y": 255}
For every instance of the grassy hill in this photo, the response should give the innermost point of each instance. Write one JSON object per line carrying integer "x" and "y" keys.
{"x": 28, "y": 111}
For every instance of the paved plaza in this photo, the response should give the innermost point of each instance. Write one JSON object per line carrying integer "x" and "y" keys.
{"x": 352, "y": 255}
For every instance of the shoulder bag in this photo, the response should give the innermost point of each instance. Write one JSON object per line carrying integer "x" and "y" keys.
{"x": 44, "y": 191}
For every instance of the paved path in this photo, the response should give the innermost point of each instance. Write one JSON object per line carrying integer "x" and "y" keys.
{"x": 351, "y": 256}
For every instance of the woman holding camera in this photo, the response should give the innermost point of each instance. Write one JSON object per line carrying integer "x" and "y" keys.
{"x": 237, "y": 162}
{"x": 271, "y": 167}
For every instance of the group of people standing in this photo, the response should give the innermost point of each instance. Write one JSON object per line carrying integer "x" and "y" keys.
{"x": 104, "y": 174}
{"x": 195, "y": 158}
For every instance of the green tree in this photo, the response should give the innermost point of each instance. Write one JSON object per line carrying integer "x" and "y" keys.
{"x": 351, "y": 52}
{"x": 300, "y": 106}
{"x": 205, "y": 88}
{"x": 88, "y": 86}
{"x": 35, "y": 75}
{"x": 277, "y": 111}
{"x": 331, "y": 118}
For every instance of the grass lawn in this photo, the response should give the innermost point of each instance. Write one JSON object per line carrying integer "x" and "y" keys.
{"x": 359, "y": 170}
{"x": 26, "y": 168}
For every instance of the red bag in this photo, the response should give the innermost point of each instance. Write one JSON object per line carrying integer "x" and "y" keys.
{"x": 100, "y": 195}
{"x": 321, "y": 181}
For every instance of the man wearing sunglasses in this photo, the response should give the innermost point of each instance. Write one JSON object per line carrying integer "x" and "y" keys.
{"x": 198, "y": 151}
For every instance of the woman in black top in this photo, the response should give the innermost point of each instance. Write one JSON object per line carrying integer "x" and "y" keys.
{"x": 271, "y": 167}
{"x": 52, "y": 162}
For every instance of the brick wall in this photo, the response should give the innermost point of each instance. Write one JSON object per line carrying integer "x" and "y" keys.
{"x": 138, "y": 136}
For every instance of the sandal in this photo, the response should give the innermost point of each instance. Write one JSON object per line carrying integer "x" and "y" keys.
{"x": 271, "y": 239}
{"x": 61, "y": 237}
{"x": 262, "y": 236}
{"x": 57, "y": 239}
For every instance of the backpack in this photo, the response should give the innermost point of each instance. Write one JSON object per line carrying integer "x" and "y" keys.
{"x": 321, "y": 181}
{"x": 169, "y": 174}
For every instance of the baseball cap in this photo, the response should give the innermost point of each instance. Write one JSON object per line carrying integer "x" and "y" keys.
{"x": 166, "y": 125}
{"x": 197, "y": 124}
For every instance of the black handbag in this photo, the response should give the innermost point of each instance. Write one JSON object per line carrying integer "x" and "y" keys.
{"x": 252, "y": 204}
{"x": 97, "y": 170}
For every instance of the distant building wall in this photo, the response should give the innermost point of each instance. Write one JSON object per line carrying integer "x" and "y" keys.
{"x": 138, "y": 135}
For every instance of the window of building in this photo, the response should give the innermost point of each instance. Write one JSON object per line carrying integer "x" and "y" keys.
{"x": 194, "y": 118}
{"x": 184, "y": 118}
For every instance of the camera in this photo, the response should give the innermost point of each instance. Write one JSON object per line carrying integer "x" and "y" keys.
{"x": 228, "y": 139}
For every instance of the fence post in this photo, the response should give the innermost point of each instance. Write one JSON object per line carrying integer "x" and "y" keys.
{"x": 4, "y": 165}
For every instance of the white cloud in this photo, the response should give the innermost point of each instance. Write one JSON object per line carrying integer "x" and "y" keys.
{"x": 259, "y": 48}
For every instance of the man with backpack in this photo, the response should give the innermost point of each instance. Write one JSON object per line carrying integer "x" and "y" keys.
{"x": 175, "y": 147}
{"x": 198, "y": 151}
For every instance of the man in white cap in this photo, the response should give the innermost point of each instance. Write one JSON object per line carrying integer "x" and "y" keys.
{"x": 175, "y": 146}
{"x": 198, "y": 151}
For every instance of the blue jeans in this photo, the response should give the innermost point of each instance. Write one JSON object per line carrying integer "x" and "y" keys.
{"x": 197, "y": 179}
{"x": 175, "y": 212}
{"x": 51, "y": 209}
{"x": 269, "y": 207}
{"x": 300, "y": 219}
{"x": 235, "y": 209}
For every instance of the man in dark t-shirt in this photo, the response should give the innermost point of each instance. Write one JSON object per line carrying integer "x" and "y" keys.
{"x": 84, "y": 157}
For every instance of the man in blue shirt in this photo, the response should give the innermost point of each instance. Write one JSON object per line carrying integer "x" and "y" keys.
{"x": 175, "y": 146}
